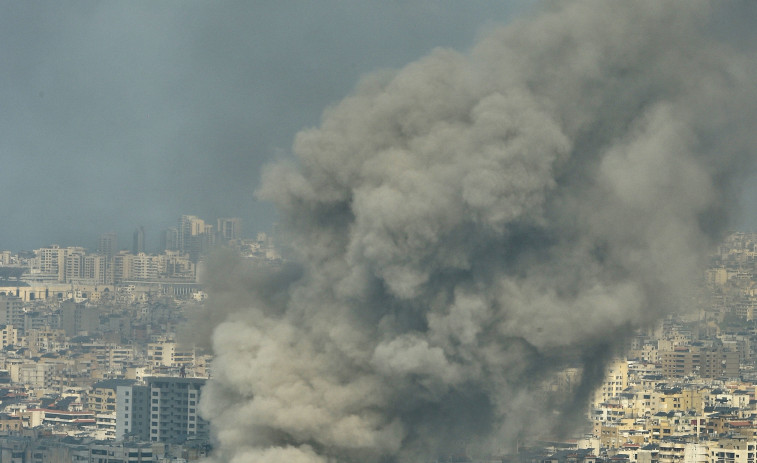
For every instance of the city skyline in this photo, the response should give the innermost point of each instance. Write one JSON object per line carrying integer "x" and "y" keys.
{"x": 472, "y": 200}
{"x": 120, "y": 114}
{"x": 150, "y": 240}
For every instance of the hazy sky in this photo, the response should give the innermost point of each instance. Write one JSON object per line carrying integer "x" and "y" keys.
{"x": 119, "y": 114}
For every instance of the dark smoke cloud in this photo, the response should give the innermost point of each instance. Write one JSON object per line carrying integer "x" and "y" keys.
{"x": 469, "y": 225}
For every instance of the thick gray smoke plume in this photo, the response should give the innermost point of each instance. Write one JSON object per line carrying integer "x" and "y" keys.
{"x": 468, "y": 225}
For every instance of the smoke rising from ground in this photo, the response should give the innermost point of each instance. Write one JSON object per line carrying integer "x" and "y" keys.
{"x": 467, "y": 226}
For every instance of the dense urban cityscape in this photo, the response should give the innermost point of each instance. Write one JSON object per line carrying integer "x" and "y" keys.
{"x": 92, "y": 369}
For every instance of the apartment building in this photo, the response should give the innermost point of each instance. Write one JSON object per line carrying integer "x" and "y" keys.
{"x": 165, "y": 410}
{"x": 132, "y": 412}
{"x": 11, "y": 311}
{"x": 615, "y": 382}
{"x": 8, "y": 336}
{"x": 706, "y": 362}
{"x": 169, "y": 354}
{"x": 102, "y": 397}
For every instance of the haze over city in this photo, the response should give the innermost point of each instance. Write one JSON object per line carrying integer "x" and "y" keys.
{"x": 121, "y": 114}
{"x": 481, "y": 211}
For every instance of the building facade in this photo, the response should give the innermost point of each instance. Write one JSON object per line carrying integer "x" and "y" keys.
{"x": 165, "y": 410}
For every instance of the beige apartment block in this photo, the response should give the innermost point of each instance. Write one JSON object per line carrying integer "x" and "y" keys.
{"x": 698, "y": 361}
{"x": 679, "y": 400}
{"x": 45, "y": 339}
{"x": 733, "y": 451}
{"x": 615, "y": 382}
{"x": 37, "y": 375}
{"x": 8, "y": 336}
{"x": 625, "y": 431}
{"x": 10, "y": 423}
{"x": 102, "y": 397}
{"x": 660, "y": 428}
{"x": 671, "y": 452}
{"x": 170, "y": 354}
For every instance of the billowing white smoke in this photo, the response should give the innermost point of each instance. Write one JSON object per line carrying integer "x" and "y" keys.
{"x": 472, "y": 223}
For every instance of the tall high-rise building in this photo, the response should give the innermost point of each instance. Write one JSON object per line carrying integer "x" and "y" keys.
{"x": 133, "y": 412}
{"x": 189, "y": 227}
{"x": 95, "y": 268}
{"x": 51, "y": 262}
{"x": 50, "y": 259}
{"x": 59, "y": 264}
{"x": 195, "y": 237}
{"x": 166, "y": 410}
{"x": 169, "y": 239}
{"x": 144, "y": 267}
{"x": 122, "y": 267}
{"x": 108, "y": 247}
{"x": 138, "y": 244}
{"x": 108, "y": 244}
{"x": 229, "y": 229}
{"x": 73, "y": 266}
